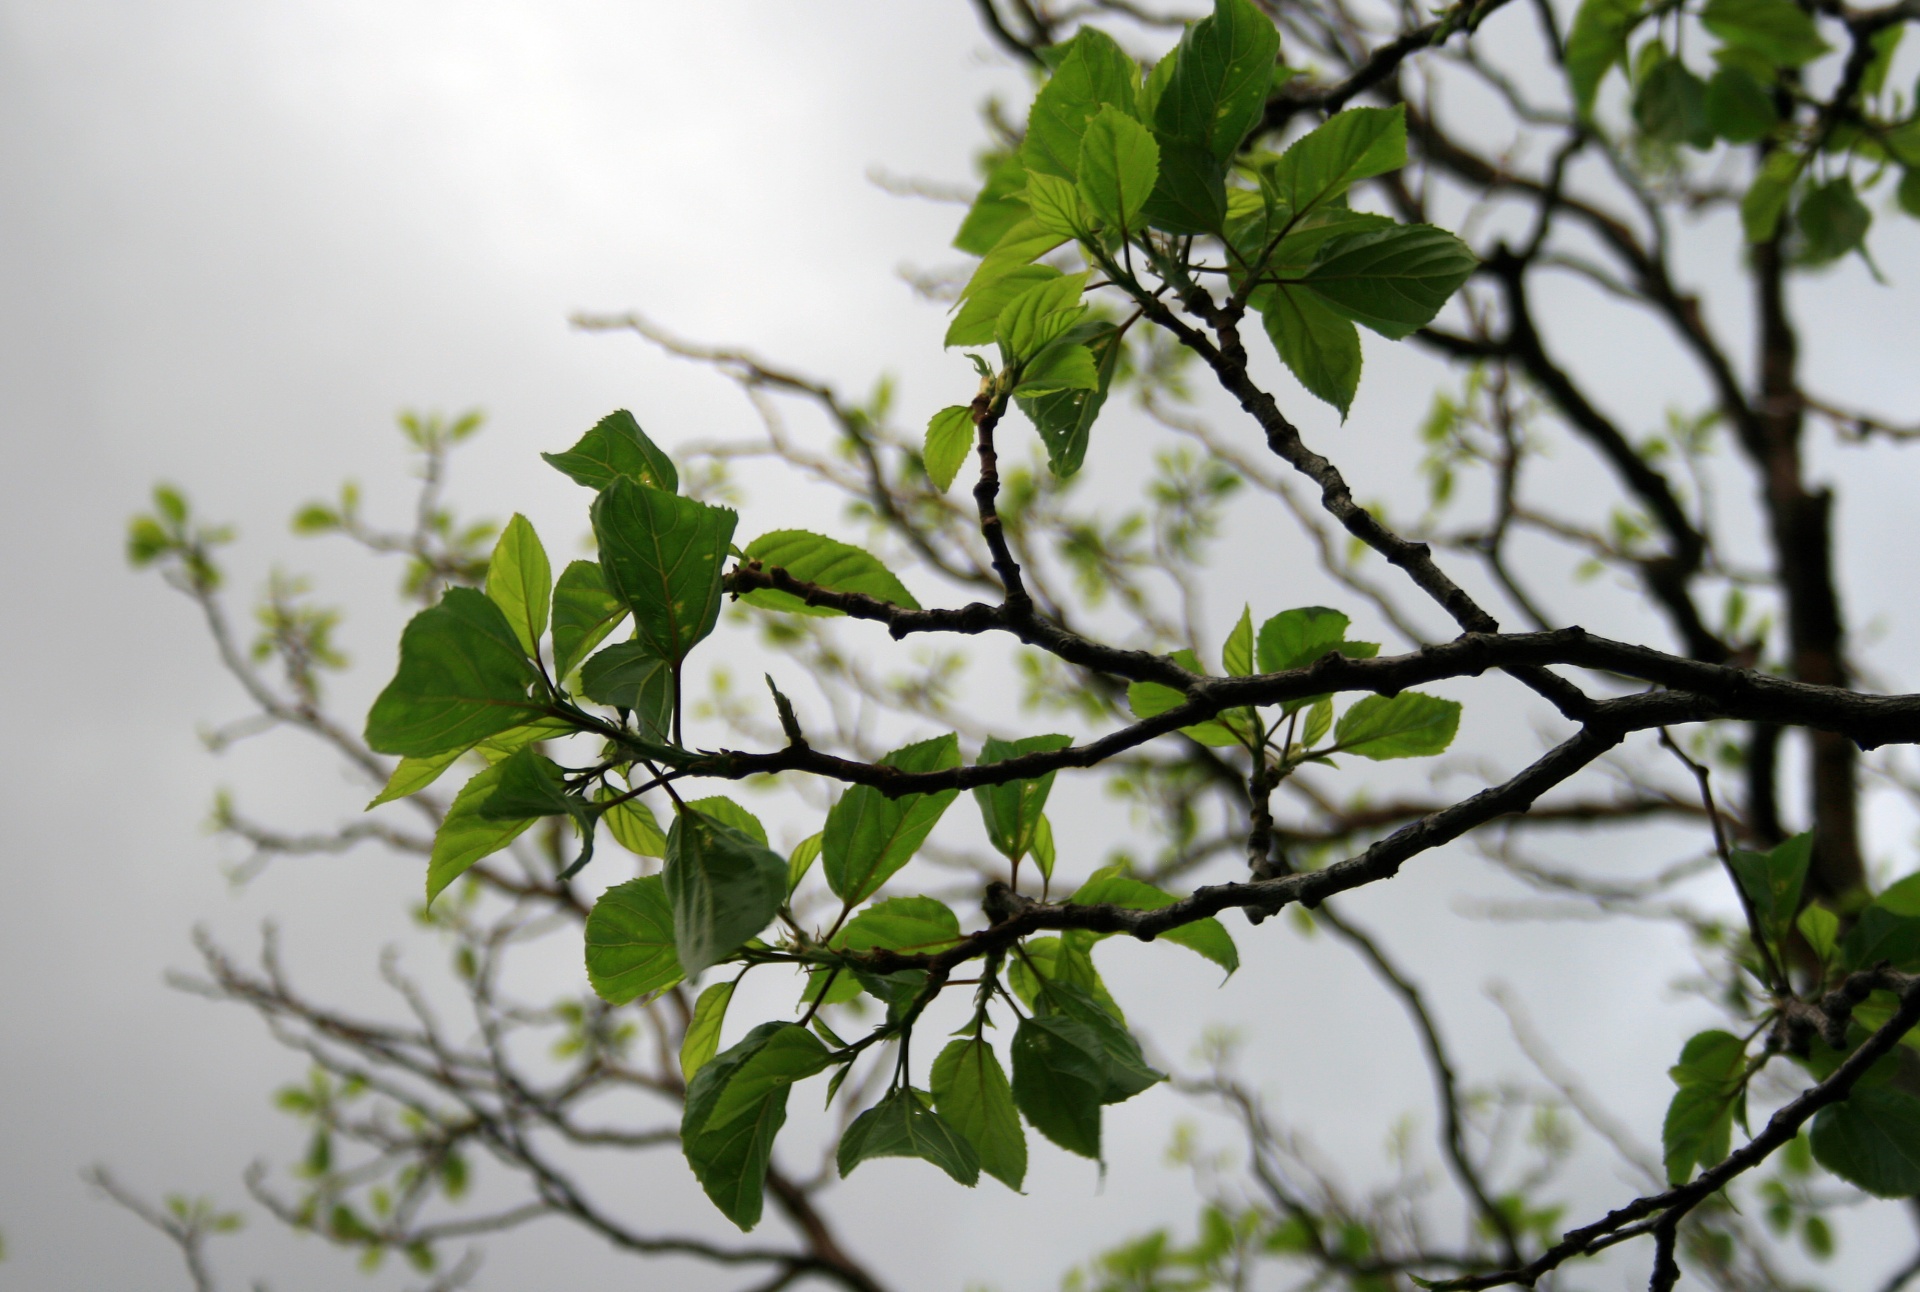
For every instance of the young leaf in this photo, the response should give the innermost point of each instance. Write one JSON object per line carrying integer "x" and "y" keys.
{"x": 1065, "y": 417}
{"x": 839, "y": 567}
{"x": 949, "y": 440}
{"x": 661, "y": 554}
{"x": 801, "y": 860}
{"x": 970, "y": 1089}
{"x": 1779, "y": 30}
{"x": 1059, "y": 1076}
{"x": 520, "y": 582}
{"x": 628, "y": 675}
{"x": 900, "y": 1125}
{"x": 1062, "y": 366}
{"x": 634, "y": 827}
{"x": 1320, "y": 166}
{"x": 1094, "y": 73}
{"x": 1110, "y": 886}
{"x": 1392, "y": 280}
{"x": 870, "y": 836}
{"x": 910, "y": 924}
{"x": 724, "y": 886}
{"x": 1821, "y": 928}
{"x": 1772, "y": 881}
{"x": 616, "y": 449}
{"x": 736, "y": 1104}
{"x": 702, "y": 1040}
{"x": 1872, "y": 1139}
{"x": 1319, "y": 721}
{"x": 1236, "y": 655}
{"x": 980, "y": 314}
{"x": 413, "y": 774}
{"x": 1043, "y": 850}
{"x": 1149, "y": 699}
{"x": 1039, "y": 315}
{"x": 1319, "y": 345}
{"x": 996, "y": 208}
{"x": 466, "y": 835}
{"x": 1119, "y": 165}
{"x": 1410, "y": 725}
{"x": 1012, "y": 810}
{"x": 1222, "y": 71}
{"x": 630, "y": 942}
{"x": 584, "y": 612}
{"x": 462, "y": 677}
{"x": 1596, "y": 43}
{"x": 1056, "y": 206}
{"x": 1296, "y": 638}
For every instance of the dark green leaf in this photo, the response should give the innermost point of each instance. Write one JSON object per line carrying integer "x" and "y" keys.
{"x": 870, "y": 836}
{"x": 1766, "y": 197}
{"x": 1112, "y": 887}
{"x": 1596, "y": 43}
{"x": 1778, "y": 29}
{"x": 949, "y": 440}
{"x": 1059, "y": 1075}
{"x": 628, "y": 675}
{"x": 462, "y": 677}
{"x": 1065, "y": 417}
{"x": 914, "y": 925}
{"x": 1222, "y": 71}
{"x": 900, "y": 1125}
{"x": 725, "y": 886}
{"x": 1872, "y": 1138}
{"x": 529, "y": 786}
{"x": 837, "y": 566}
{"x": 1119, "y": 165}
{"x": 520, "y": 582}
{"x": 617, "y": 449}
{"x": 1127, "y": 1070}
{"x": 1410, "y": 725}
{"x": 630, "y": 942}
{"x": 702, "y": 1040}
{"x": 465, "y": 835}
{"x": 661, "y": 554}
{"x": 1880, "y": 935}
{"x": 1392, "y": 280}
{"x": 970, "y": 1089}
{"x": 1833, "y": 221}
{"x": 1697, "y": 1131}
{"x": 1012, "y": 810}
{"x": 997, "y": 207}
{"x": 736, "y": 1105}
{"x": 584, "y": 612}
{"x": 1093, "y": 73}
{"x": 1670, "y": 104}
{"x": 1739, "y": 108}
{"x": 1772, "y": 880}
{"x": 1319, "y": 345}
{"x": 1190, "y": 196}
{"x": 1908, "y": 193}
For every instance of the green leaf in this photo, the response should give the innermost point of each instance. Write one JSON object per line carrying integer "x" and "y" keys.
{"x": 1597, "y": 42}
{"x": 415, "y": 773}
{"x": 1067, "y": 959}
{"x": 1902, "y": 897}
{"x": 520, "y": 582}
{"x": 1670, "y": 105}
{"x": 1778, "y": 29}
{"x": 702, "y": 1040}
{"x": 1059, "y": 1075}
{"x": 1011, "y": 811}
{"x": 1766, "y": 197}
{"x": 1062, "y": 366}
{"x": 836, "y": 566}
{"x": 1872, "y": 1139}
{"x": 1821, "y": 928}
{"x": 1126, "y": 1071}
{"x": 1832, "y": 220}
{"x": 616, "y": 449}
{"x": 980, "y": 314}
{"x": 1065, "y": 417}
{"x": 870, "y": 836}
{"x": 462, "y": 677}
{"x": 628, "y": 675}
{"x": 584, "y": 612}
{"x": 1392, "y": 280}
{"x": 1055, "y": 204}
{"x": 1222, "y": 71}
{"x": 996, "y": 208}
{"x": 634, "y": 827}
{"x": 1772, "y": 882}
{"x": 1296, "y": 638}
{"x": 630, "y": 942}
{"x": 661, "y": 554}
{"x": 466, "y": 835}
{"x": 727, "y": 812}
{"x": 1119, "y": 166}
{"x": 900, "y": 1125}
{"x": 1043, "y": 851}
{"x": 1236, "y": 655}
{"x": 1319, "y": 345}
{"x": 1150, "y": 699}
{"x": 914, "y": 925}
{"x": 1039, "y": 316}
{"x": 949, "y": 440}
{"x": 529, "y": 786}
{"x": 1093, "y": 73}
{"x": 801, "y": 860}
{"x": 1739, "y": 108}
{"x": 736, "y": 1105}
{"x": 1190, "y": 196}
{"x": 1908, "y": 194}
{"x": 1880, "y": 935}
{"x": 1110, "y": 886}
{"x": 1410, "y": 725}
{"x": 725, "y": 886}
{"x": 1319, "y": 721}
{"x": 971, "y": 1091}
{"x": 1320, "y": 166}
{"x": 1698, "y": 1130}
{"x": 1710, "y": 1058}
{"x": 1885, "y": 43}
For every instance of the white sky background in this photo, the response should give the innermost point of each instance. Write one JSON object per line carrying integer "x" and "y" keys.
{"x": 236, "y": 238}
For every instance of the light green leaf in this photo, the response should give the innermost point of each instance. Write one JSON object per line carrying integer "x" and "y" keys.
{"x": 1150, "y": 699}
{"x": 584, "y": 612}
{"x": 1410, "y": 725}
{"x": 1597, "y": 42}
{"x": 1062, "y": 366}
{"x": 634, "y": 827}
{"x": 727, "y": 812}
{"x": 1222, "y": 71}
{"x": 1236, "y": 656}
{"x": 413, "y": 774}
{"x": 661, "y": 554}
{"x": 1043, "y": 851}
{"x": 1039, "y": 315}
{"x": 1766, "y": 197}
{"x": 836, "y": 566}
{"x": 1319, "y": 345}
{"x": 1319, "y": 721}
{"x": 630, "y": 942}
{"x": 1065, "y": 417}
{"x": 466, "y": 835}
{"x": 1392, "y": 280}
{"x": 996, "y": 208}
{"x": 462, "y": 677}
{"x": 1119, "y": 166}
{"x": 949, "y": 440}
{"x": 971, "y": 1091}
{"x": 1320, "y": 166}
{"x": 725, "y": 886}
{"x": 736, "y": 1105}
{"x": 1059, "y": 1076}
{"x": 870, "y": 836}
{"x": 980, "y": 314}
{"x": 702, "y": 1040}
{"x": 1012, "y": 810}
{"x": 616, "y": 449}
{"x": 801, "y": 860}
{"x": 913, "y": 925}
{"x": 1055, "y": 204}
{"x": 1296, "y": 638}
{"x": 901, "y": 1125}
{"x": 1872, "y": 1139}
{"x": 628, "y": 675}
{"x": 1110, "y": 886}
{"x": 1094, "y": 73}
{"x": 1780, "y": 30}
{"x": 1821, "y": 928}
{"x": 520, "y": 582}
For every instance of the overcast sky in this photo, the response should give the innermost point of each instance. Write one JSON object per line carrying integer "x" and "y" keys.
{"x": 236, "y": 238}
